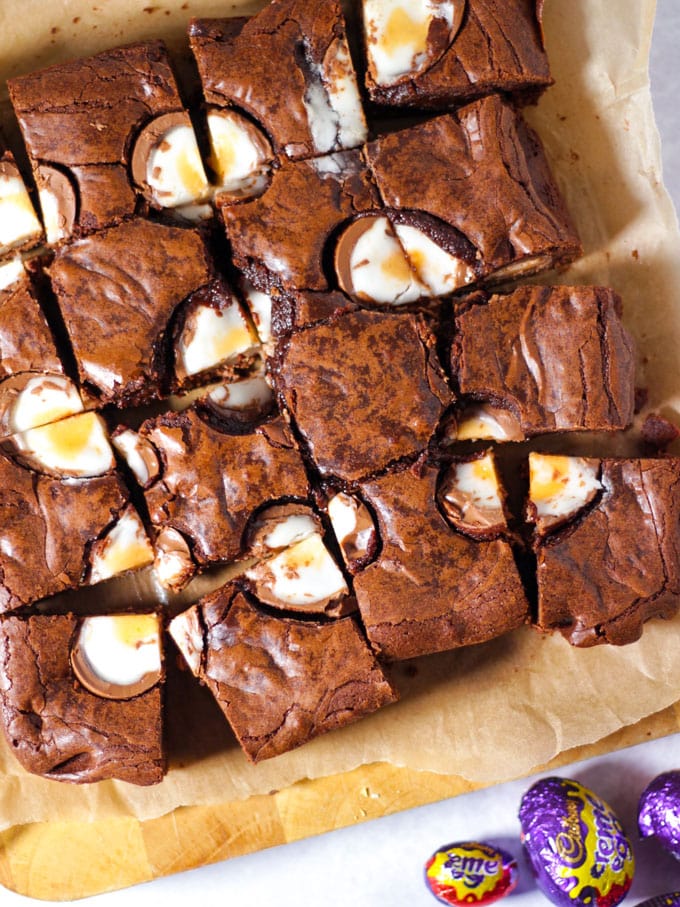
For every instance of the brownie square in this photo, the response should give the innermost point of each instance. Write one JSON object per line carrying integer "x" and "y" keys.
{"x": 26, "y": 342}
{"x": 543, "y": 359}
{"x": 365, "y": 389}
{"x": 208, "y": 480}
{"x": 284, "y": 238}
{"x": 65, "y": 515}
{"x": 477, "y": 184}
{"x": 57, "y": 727}
{"x": 439, "y": 55}
{"x": 126, "y": 313}
{"x": 81, "y": 121}
{"x": 443, "y": 577}
{"x": 19, "y": 224}
{"x": 607, "y": 542}
{"x": 289, "y": 68}
{"x": 279, "y": 681}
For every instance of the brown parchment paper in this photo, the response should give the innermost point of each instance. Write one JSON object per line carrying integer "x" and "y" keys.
{"x": 490, "y": 712}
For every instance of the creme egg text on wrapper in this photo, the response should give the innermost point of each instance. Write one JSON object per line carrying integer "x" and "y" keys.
{"x": 470, "y": 873}
{"x": 659, "y": 811}
{"x": 578, "y": 850}
{"x": 118, "y": 656}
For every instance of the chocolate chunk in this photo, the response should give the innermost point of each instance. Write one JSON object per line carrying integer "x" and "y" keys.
{"x": 615, "y": 566}
{"x": 279, "y": 681}
{"x": 432, "y": 588}
{"x": 553, "y": 358}
{"x": 365, "y": 389}
{"x": 437, "y": 55}
{"x": 58, "y": 728}
{"x": 658, "y": 432}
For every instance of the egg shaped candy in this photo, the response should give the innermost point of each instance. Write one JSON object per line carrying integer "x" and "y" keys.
{"x": 576, "y": 845}
{"x": 470, "y": 873}
{"x": 659, "y": 811}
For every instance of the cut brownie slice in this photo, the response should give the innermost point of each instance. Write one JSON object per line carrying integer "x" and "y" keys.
{"x": 105, "y": 132}
{"x": 33, "y": 388}
{"x": 607, "y": 539}
{"x": 81, "y": 699}
{"x": 206, "y": 480}
{"x": 543, "y": 359}
{"x": 279, "y": 681}
{"x": 19, "y": 224}
{"x": 289, "y": 68}
{"x": 472, "y": 197}
{"x": 65, "y": 515}
{"x": 445, "y": 574}
{"x": 282, "y": 239}
{"x": 437, "y": 55}
{"x": 365, "y": 389}
{"x": 146, "y": 323}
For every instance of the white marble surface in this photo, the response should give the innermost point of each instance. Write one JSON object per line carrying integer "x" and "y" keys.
{"x": 380, "y": 863}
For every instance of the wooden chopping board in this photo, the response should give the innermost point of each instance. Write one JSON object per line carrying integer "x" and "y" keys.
{"x": 65, "y": 861}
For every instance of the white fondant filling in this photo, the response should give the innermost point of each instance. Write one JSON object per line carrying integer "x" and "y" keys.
{"x": 477, "y": 481}
{"x": 11, "y": 272}
{"x": 440, "y": 271}
{"x": 18, "y": 220}
{"x": 174, "y": 170}
{"x": 185, "y": 629}
{"x": 251, "y": 392}
{"x": 397, "y": 32}
{"x": 342, "y": 512}
{"x": 260, "y": 305}
{"x": 239, "y": 163}
{"x": 334, "y": 111}
{"x": 213, "y": 336}
{"x": 289, "y": 532}
{"x": 479, "y": 424}
{"x": 379, "y": 269}
{"x": 77, "y": 446}
{"x": 304, "y": 574}
{"x": 44, "y": 399}
{"x": 129, "y": 444}
{"x": 127, "y": 547}
{"x": 55, "y": 227}
{"x": 561, "y": 486}
{"x": 121, "y": 649}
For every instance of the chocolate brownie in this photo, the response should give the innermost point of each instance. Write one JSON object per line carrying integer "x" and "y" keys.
{"x": 476, "y": 185}
{"x": 289, "y": 68}
{"x": 364, "y": 389}
{"x": 445, "y": 574}
{"x": 279, "y": 681}
{"x": 81, "y": 122}
{"x": 19, "y": 224}
{"x": 65, "y": 515}
{"x": 543, "y": 359}
{"x": 33, "y": 387}
{"x": 206, "y": 480}
{"x": 436, "y": 56}
{"x": 69, "y": 713}
{"x": 607, "y": 540}
{"x": 144, "y": 324}
{"x": 282, "y": 239}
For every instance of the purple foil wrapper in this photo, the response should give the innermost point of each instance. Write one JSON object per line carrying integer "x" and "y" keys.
{"x": 659, "y": 811}
{"x": 576, "y": 845}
